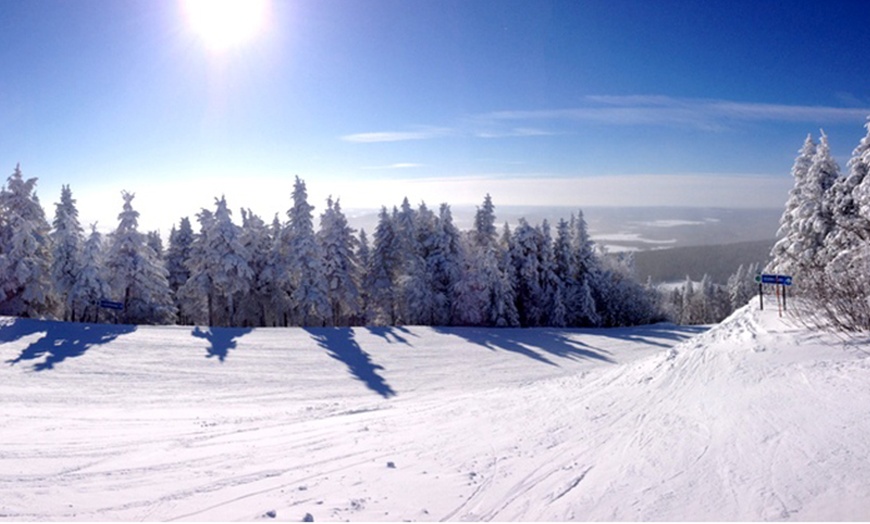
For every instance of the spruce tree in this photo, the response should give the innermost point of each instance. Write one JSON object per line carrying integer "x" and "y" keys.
{"x": 341, "y": 268}
{"x": 309, "y": 298}
{"x": 226, "y": 262}
{"x": 177, "y": 261}
{"x": 26, "y": 287}
{"x": 382, "y": 273}
{"x": 138, "y": 278}
{"x": 91, "y": 284}
{"x": 784, "y": 254}
{"x": 256, "y": 239}
{"x": 67, "y": 251}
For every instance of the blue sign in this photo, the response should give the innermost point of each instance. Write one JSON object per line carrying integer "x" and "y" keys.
{"x": 784, "y": 280}
{"x": 108, "y": 304}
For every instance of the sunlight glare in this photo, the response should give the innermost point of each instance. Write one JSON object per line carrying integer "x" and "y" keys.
{"x": 223, "y": 24}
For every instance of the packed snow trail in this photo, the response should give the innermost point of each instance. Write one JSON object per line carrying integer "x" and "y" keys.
{"x": 751, "y": 420}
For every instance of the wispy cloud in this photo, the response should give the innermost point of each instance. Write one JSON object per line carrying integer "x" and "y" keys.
{"x": 706, "y": 114}
{"x": 423, "y": 133}
{"x": 398, "y": 165}
{"x": 514, "y": 132}
{"x": 636, "y": 110}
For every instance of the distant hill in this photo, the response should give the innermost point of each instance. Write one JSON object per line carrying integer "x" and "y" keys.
{"x": 719, "y": 261}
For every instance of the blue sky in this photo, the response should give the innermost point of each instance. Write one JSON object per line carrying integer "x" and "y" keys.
{"x": 563, "y": 103}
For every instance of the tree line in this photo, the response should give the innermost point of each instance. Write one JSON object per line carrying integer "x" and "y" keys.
{"x": 417, "y": 269}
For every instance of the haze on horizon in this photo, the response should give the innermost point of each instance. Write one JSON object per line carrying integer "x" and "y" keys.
{"x": 622, "y": 103}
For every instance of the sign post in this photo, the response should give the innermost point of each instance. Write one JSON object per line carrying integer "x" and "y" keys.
{"x": 781, "y": 281}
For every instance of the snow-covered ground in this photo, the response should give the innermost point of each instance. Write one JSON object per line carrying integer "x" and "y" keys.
{"x": 751, "y": 420}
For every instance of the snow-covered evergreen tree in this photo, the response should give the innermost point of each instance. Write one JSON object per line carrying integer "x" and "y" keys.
{"x": 582, "y": 311}
{"x": 381, "y": 275}
{"x": 226, "y": 262}
{"x": 153, "y": 240}
{"x": 341, "y": 268}
{"x": 67, "y": 250}
{"x": 815, "y": 214}
{"x": 255, "y": 237}
{"x": 309, "y": 297}
{"x": 443, "y": 264}
{"x": 846, "y": 244}
{"x": 526, "y": 259}
{"x": 138, "y": 278}
{"x": 363, "y": 256}
{"x": 275, "y": 279}
{"x": 784, "y": 253}
{"x": 91, "y": 283}
{"x": 554, "y": 288}
{"x": 177, "y": 261}
{"x": 415, "y": 301}
{"x": 26, "y": 287}
{"x": 620, "y": 300}
{"x": 194, "y": 297}
{"x": 471, "y": 293}
{"x": 484, "y": 223}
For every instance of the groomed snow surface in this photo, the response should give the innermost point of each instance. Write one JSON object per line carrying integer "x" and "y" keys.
{"x": 755, "y": 419}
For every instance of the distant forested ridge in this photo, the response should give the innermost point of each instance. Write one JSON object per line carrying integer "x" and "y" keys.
{"x": 716, "y": 261}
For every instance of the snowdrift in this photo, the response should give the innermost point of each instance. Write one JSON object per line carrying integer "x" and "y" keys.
{"x": 750, "y": 420}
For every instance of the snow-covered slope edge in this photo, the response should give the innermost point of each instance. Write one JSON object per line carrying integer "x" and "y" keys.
{"x": 752, "y": 420}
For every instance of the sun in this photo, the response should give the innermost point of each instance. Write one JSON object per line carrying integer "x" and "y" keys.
{"x": 225, "y": 24}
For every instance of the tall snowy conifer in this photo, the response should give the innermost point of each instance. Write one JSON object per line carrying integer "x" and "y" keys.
{"x": 784, "y": 254}
{"x": 309, "y": 297}
{"x": 91, "y": 284}
{"x": 582, "y": 310}
{"x": 555, "y": 312}
{"x": 814, "y": 213}
{"x": 341, "y": 268}
{"x": 138, "y": 277}
{"x": 381, "y": 275}
{"x": 177, "y": 260}
{"x": 26, "y": 287}
{"x": 257, "y": 241}
{"x": 194, "y": 296}
{"x": 363, "y": 256}
{"x": 531, "y": 302}
{"x": 67, "y": 247}
{"x": 471, "y": 292}
{"x": 443, "y": 264}
{"x": 484, "y": 223}
{"x": 846, "y": 244}
{"x": 226, "y": 262}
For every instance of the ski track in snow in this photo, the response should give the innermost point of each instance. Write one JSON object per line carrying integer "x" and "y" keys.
{"x": 754, "y": 419}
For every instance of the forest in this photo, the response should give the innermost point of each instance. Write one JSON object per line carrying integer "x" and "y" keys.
{"x": 417, "y": 269}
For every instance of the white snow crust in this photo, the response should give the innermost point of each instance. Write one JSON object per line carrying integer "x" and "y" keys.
{"x": 754, "y": 419}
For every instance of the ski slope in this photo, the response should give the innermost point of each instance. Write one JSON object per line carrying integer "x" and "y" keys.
{"x": 753, "y": 419}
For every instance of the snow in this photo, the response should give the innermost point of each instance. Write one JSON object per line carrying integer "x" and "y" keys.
{"x": 754, "y": 419}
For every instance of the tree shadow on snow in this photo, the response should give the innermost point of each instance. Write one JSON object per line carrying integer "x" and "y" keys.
{"x": 533, "y": 343}
{"x": 388, "y": 332}
{"x": 342, "y": 346}
{"x": 221, "y": 339}
{"x": 62, "y": 340}
{"x": 666, "y": 333}
{"x": 539, "y": 343}
{"x": 506, "y": 339}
